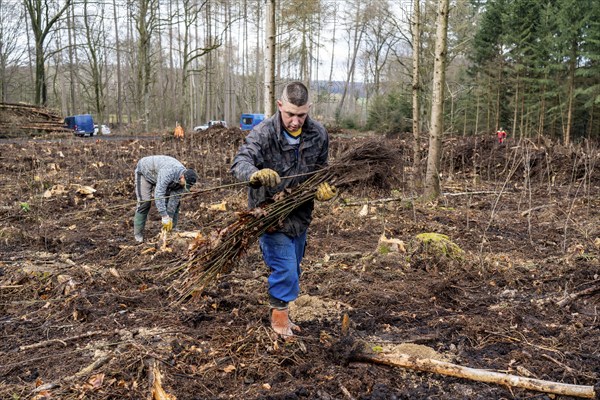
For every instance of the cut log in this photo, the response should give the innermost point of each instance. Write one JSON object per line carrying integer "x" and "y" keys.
{"x": 480, "y": 375}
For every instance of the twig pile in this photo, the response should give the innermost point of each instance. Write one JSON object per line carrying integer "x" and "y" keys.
{"x": 371, "y": 164}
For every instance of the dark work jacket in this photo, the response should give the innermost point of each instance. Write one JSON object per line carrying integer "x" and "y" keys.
{"x": 266, "y": 147}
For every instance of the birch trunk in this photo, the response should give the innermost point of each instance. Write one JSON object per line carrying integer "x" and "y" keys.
{"x": 270, "y": 35}
{"x": 432, "y": 176}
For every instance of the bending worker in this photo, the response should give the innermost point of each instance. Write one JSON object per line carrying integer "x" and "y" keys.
{"x": 287, "y": 144}
{"x": 163, "y": 179}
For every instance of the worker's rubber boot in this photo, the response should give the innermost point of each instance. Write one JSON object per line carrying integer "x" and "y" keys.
{"x": 139, "y": 223}
{"x": 281, "y": 324}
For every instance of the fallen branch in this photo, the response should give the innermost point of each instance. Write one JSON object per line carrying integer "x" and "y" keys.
{"x": 61, "y": 341}
{"x": 573, "y": 296}
{"x": 377, "y": 201}
{"x": 446, "y": 368}
{"x": 524, "y": 213}
{"x": 469, "y": 193}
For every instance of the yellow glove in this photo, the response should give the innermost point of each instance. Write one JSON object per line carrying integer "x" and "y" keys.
{"x": 325, "y": 192}
{"x": 265, "y": 177}
{"x": 167, "y": 223}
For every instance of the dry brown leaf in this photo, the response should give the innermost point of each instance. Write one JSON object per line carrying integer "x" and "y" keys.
{"x": 86, "y": 191}
{"x": 229, "y": 368}
{"x": 55, "y": 190}
{"x": 43, "y": 395}
{"x": 94, "y": 383}
{"x": 363, "y": 211}
{"x": 96, "y": 380}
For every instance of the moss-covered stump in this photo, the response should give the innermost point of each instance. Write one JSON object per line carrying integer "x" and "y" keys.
{"x": 432, "y": 250}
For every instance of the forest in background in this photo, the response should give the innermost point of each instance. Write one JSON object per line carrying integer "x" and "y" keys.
{"x": 529, "y": 66}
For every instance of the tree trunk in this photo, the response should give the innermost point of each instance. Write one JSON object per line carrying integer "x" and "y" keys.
{"x": 571, "y": 95}
{"x": 416, "y": 87}
{"x": 516, "y": 112}
{"x": 72, "y": 66}
{"x": 92, "y": 37}
{"x": 432, "y": 177}
{"x": 270, "y": 36}
{"x": 335, "y": 11}
{"x": 41, "y": 24}
{"x": 358, "y": 33}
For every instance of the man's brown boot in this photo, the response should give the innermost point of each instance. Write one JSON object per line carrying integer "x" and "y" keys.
{"x": 281, "y": 324}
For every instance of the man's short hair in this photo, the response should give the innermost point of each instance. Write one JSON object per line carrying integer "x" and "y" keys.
{"x": 295, "y": 93}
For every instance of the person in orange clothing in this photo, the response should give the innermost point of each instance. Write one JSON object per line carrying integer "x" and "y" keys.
{"x": 501, "y": 135}
{"x": 179, "y": 133}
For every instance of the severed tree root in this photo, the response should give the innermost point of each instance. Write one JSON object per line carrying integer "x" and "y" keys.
{"x": 155, "y": 382}
{"x": 446, "y": 368}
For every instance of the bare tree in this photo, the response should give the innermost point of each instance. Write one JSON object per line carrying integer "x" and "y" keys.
{"x": 189, "y": 53}
{"x": 357, "y": 29}
{"x": 334, "y": 14}
{"x": 380, "y": 38}
{"x": 270, "y": 34}
{"x": 416, "y": 89}
{"x": 432, "y": 176}
{"x": 118, "y": 66}
{"x": 95, "y": 54}
{"x": 145, "y": 24}
{"x": 42, "y": 23}
{"x": 10, "y": 52}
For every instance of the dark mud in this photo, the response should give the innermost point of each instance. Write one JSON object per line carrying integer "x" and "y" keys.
{"x": 87, "y": 313}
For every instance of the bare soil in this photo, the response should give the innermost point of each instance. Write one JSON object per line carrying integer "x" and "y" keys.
{"x": 85, "y": 312}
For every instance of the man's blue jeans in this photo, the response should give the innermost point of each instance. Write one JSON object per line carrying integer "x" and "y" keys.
{"x": 283, "y": 254}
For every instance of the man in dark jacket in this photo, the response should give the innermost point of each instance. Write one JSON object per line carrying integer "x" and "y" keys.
{"x": 284, "y": 146}
{"x": 163, "y": 179}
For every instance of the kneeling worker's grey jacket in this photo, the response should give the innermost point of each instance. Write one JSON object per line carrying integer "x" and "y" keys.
{"x": 164, "y": 173}
{"x": 266, "y": 147}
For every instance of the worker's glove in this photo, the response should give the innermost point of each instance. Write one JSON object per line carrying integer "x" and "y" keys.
{"x": 265, "y": 177}
{"x": 325, "y": 192}
{"x": 167, "y": 223}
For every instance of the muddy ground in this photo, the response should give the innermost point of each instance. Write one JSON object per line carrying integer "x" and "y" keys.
{"x": 85, "y": 312}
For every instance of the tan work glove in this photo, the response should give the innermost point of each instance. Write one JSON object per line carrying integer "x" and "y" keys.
{"x": 167, "y": 223}
{"x": 325, "y": 192}
{"x": 265, "y": 177}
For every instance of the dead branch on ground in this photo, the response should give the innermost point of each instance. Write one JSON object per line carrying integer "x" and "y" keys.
{"x": 450, "y": 369}
{"x": 61, "y": 341}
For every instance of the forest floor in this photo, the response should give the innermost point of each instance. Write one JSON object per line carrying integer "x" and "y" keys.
{"x": 85, "y": 312}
